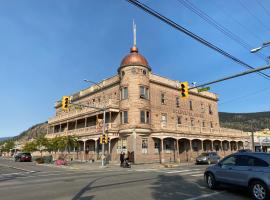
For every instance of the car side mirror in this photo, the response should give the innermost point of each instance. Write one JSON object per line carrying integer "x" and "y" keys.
{"x": 219, "y": 164}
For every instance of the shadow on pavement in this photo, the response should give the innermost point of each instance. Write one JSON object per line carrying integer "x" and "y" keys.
{"x": 89, "y": 186}
{"x": 171, "y": 187}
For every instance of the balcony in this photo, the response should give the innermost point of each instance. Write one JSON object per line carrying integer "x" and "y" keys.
{"x": 110, "y": 105}
{"x": 206, "y": 131}
{"x": 91, "y": 130}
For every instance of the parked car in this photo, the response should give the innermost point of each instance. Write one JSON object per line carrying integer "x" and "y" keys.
{"x": 248, "y": 169}
{"x": 23, "y": 157}
{"x": 207, "y": 158}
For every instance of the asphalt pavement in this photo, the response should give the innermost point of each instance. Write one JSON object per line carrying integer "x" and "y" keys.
{"x": 23, "y": 181}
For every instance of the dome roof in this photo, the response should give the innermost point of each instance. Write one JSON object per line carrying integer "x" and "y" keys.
{"x": 134, "y": 58}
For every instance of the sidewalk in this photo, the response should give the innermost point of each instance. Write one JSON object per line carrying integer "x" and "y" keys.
{"x": 115, "y": 166}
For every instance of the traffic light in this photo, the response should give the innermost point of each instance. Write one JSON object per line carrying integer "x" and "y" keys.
{"x": 65, "y": 102}
{"x": 184, "y": 89}
{"x": 106, "y": 139}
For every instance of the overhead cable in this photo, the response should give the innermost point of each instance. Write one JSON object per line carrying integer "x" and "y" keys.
{"x": 219, "y": 27}
{"x": 192, "y": 35}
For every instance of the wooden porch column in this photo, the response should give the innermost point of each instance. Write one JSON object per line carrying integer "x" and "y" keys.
{"x": 191, "y": 150}
{"x": 177, "y": 149}
{"x": 110, "y": 120}
{"x": 162, "y": 152}
{"x": 84, "y": 145}
{"x": 96, "y": 149}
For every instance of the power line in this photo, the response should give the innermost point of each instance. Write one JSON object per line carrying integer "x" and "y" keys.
{"x": 245, "y": 96}
{"x": 258, "y": 37}
{"x": 218, "y": 26}
{"x": 192, "y": 35}
{"x": 263, "y": 7}
{"x": 254, "y": 16}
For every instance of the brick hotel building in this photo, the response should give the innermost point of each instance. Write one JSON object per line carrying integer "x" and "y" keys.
{"x": 146, "y": 118}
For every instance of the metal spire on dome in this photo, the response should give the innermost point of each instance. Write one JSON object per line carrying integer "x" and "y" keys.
{"x": 134, "y": 34}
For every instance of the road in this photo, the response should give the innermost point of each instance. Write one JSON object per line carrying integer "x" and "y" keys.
{"x": 23, "y": 181}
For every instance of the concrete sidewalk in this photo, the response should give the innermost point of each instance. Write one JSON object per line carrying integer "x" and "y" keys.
{"x": 115, "y": 166}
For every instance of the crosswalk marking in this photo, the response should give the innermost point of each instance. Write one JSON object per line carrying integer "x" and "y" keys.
{"x": 197, "y": 174}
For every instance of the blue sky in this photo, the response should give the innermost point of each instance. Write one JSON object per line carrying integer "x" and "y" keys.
{"x": 48, "y": 47}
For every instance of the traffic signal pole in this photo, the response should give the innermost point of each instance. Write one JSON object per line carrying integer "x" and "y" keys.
{"x": 233, "y": 76}
{"x": 103, "y": 133}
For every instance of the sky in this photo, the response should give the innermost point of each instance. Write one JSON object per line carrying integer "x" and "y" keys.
{"x": 48, "y": 47}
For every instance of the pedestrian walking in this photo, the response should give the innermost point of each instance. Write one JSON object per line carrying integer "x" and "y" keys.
{"x": 122, "y": 158}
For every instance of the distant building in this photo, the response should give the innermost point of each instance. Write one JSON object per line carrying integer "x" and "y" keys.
{"x": 146, "y": 118}
{"x": 262, "y": 140}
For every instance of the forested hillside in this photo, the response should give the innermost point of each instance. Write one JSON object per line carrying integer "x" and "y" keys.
{"x": 245, "y": 121}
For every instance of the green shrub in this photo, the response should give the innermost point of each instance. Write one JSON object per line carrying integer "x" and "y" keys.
{"x": 40, "y": 160}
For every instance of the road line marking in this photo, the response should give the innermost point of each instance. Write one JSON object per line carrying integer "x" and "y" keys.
{"x": 197, "y": 175}
{"x": 8, "y": 166}
{"x": 185, "y": 170}
{"x": 145, "y": 170}
{"x": 204, "y": 195}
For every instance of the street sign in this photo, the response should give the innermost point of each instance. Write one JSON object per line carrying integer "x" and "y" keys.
{"x": 203, "y": 89}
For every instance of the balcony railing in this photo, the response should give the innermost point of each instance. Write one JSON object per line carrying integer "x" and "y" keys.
{"x": 86, "y": 131}
{"x": 110, "y": 104}
{"x": 205, "y": 130}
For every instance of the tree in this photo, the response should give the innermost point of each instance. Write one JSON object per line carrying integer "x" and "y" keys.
{"x": 8, "y": 145}
{"x": 71, "y": 142}
{"x": 30, "y": 147}
{"x": 42, "y": 144}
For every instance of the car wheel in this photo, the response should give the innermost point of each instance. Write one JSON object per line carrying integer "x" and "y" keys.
{"x": 211, "y": 181}
{"x": 259, "y": 190}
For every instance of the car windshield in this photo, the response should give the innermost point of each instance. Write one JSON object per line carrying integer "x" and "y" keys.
{"x": 26, "y": 154}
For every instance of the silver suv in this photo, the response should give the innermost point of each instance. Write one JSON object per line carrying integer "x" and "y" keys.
{"x": 248, "y": 169}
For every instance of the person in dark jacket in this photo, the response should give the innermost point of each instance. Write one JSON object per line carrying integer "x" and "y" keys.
{"x": 122, "y": 158}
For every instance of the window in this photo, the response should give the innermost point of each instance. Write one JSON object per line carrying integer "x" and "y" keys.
{"x": 162, "y": 98}
{"x": 256, "y": 162}
{"x": 144, "y": 92}
{"x": 192, "y": 122}
{"x": 179, "y": 120}
{"x": 124, "y": 117}
{"x": 123, "y": 74}
{"x": 122, "y": 145}
{"x": 202, "y": 107}
{"x": 145, "y": 117}
{"x": 211, "y": 124}
{"x": 144, "y": 145}
{"x": 210, "y": 110}
{"x": 144, "y": 72}
{"x": 229, "y": 161}
{"x": 203, "y": 124}
{"x": 190, "y": 105}
{"x": 177, "y": 102}
{"x": 124, "y": 93}
{"x": 163, "y": 120}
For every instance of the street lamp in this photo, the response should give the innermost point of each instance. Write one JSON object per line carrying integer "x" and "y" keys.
{"x": 265, "y": 44}
{"x": 104, "y": 116}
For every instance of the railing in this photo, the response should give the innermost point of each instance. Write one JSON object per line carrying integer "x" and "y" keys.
{"x": 85, "y": 131}
{"x": 205, "y": 130}
{"x": 83, "y": 111}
